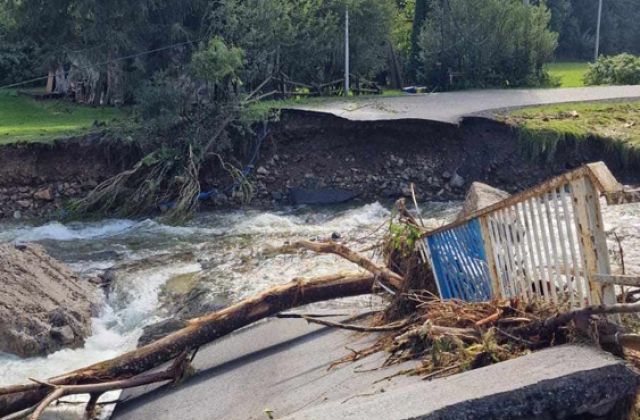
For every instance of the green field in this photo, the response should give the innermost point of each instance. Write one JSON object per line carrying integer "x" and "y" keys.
{"x": 569, "y": 74}
{"x": 618, "y": 123}
{"x": 23, "y": 119}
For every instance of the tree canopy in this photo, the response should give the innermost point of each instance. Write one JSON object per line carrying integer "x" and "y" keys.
{"x": 301, "y": 38}
{"x": 575, "y": 21}
{"x": 477, "y": 43}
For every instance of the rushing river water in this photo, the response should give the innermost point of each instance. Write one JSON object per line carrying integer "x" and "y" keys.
{"x": 231, "y": 254}
{"x": 231, "y": 257}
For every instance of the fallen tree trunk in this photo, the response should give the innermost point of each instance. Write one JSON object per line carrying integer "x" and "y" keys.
{"x": 338, "y": 249}
{"x": 199, "y": 331}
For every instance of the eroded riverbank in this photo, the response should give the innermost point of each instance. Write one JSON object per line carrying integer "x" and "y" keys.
{"x": 368, "y": 160}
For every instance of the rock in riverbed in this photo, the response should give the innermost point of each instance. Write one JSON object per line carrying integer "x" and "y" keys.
{"x": 480, "y": 196}
{"x": 44, "y": 307}
{"x": 183, "y": 297}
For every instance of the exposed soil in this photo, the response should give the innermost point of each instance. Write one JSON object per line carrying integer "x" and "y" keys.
{"x": 43, "y": 306}
{"x": 375, "y": 160}
{"x": 37, "y": 178}
{"x": 380, "y": 159}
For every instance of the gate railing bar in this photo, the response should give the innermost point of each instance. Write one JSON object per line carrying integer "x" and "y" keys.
{"x": 621, "y": 280}
{"x": 597, "y": 172}
{"x": 524, "y": 241}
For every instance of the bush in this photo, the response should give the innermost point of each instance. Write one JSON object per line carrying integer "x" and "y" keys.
{"x": 18, "y": 61}
{"x": 482, "y": 43}
{"x": 622, "y": 69}
{"x": 215, "y": 62}
{"x": 164, "y": 102}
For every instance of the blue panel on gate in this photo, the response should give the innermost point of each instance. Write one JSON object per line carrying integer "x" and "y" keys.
{"x": 460, "y": 264}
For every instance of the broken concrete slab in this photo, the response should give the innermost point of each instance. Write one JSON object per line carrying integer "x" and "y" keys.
{"x": 555, "y": 383}
{"x": 281, "y": 366}
{"x": 480, "y": 196}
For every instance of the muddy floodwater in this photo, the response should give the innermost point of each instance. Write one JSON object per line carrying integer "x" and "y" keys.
{"x": 227, "y": 256}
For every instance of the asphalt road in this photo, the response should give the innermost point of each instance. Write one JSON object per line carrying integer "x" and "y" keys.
{"x": 451, "y": 107}
{"x": 281, "y": 368}
{"x": 569, "y": 381}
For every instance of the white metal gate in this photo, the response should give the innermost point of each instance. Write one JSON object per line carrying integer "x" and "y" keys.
{"x": 547, "y": 242}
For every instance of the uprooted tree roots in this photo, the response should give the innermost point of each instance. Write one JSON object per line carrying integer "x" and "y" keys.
{"x": 167, "y": 178}
{"x": 161, "y": 176}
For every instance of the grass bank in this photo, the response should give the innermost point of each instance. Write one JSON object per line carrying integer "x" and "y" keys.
{"x": 23, "y": 119}
{"x": 616, "y": 124}
{"x": 568, "y": 74}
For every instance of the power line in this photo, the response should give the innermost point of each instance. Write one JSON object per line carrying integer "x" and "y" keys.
{"x": 126, "y": 57}
{"x": 26, "y": 82}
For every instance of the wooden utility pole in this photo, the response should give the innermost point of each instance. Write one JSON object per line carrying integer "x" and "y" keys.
{"x": 50, "y": 82}
{"x": 597, "y": 49}
{"x": 346, "y": 51}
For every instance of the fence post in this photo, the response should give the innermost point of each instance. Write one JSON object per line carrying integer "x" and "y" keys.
{"x": 489, "y": 255}
{"x": 594, "y": 241}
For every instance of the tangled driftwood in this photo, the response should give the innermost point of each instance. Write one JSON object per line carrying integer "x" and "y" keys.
{"x": 452, "y": 336}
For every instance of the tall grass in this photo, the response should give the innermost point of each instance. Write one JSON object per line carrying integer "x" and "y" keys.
{"x": 616, "y": 125}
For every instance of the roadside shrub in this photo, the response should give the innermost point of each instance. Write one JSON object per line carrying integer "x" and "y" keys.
{"x": 621, "y": 69}
{"x": 483, "y": 43}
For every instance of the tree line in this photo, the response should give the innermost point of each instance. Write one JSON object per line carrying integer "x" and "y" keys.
{"x": 575, "y": 21}
{"x": 192, "y": 67}
{"x": 79, "y": 40}
{"x": 439, "y": 43}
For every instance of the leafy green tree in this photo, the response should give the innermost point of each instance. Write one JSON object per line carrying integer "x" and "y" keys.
{"x": 471, "y": 43}
{"x": 216, "y": 62}
{"x": 420, "y": 16}
{"x": 401, "y": 37}
{"x": 370, "y": 33}
{"x": 304, "y": 39}
{"x": 47, "y": 24}
{"x": 17, "y": 58}
{"x": 575, "y": 21}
